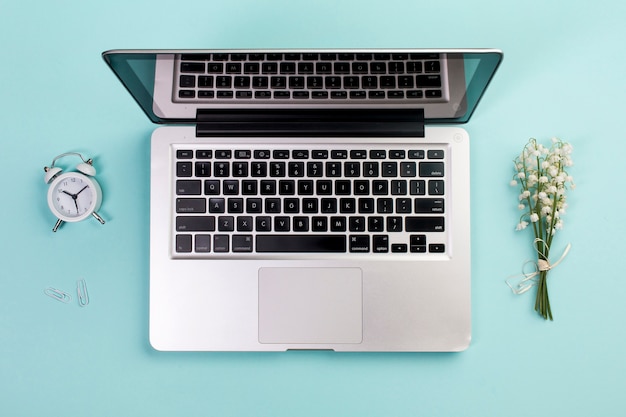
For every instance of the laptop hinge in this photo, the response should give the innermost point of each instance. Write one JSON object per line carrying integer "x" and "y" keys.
{"x": 306, "y": 122}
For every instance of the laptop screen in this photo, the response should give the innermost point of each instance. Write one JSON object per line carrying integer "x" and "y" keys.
{"x": 173, "y": 86}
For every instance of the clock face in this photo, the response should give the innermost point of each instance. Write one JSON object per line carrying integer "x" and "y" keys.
{"x": 73, "y": 196}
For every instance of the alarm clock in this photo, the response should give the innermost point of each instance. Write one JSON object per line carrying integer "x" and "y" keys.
{"x": 73, "y": 196}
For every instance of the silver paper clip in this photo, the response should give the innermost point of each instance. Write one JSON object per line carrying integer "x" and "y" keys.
{"x": 58, "y": 295}
{"x": 83, "y": 295}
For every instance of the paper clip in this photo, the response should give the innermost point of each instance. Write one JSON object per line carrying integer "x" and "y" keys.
{"x": 58, "y": 295}
{"x": 83, "y": 295}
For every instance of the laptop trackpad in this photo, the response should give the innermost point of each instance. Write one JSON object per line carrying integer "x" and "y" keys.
{"x": 310, "y": 305}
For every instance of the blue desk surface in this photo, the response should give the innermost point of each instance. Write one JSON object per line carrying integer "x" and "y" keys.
{"x": 563, "y": 75}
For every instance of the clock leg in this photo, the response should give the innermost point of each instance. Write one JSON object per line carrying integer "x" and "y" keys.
{"x": 97, "y": 216}
{"x": 57, "y": 225}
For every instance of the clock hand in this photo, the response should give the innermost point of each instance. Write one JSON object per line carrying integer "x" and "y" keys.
{"x": 83, "y": 189}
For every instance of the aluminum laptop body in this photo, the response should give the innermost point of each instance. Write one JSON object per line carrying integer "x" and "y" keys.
{"x": 309, "y": 199}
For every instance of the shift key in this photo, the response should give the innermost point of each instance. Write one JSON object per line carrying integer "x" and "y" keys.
{"x": 424, "y": 224}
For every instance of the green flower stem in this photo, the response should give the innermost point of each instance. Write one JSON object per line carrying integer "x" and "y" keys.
{"x": 542, "y": 302}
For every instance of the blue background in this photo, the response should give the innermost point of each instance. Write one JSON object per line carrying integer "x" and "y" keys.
{"x": 563, "y": 75}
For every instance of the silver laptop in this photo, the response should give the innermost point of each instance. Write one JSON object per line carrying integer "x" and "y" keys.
{"x": 309, "y": 199}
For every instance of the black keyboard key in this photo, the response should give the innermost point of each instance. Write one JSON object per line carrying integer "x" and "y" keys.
{"x": 244, "y": 223}
{"x": 324, "y": 187}
{"x": 301, "y": 243}
{"x": 375, "y": 224}
{"x": 398, "y": 187}
{"x": 192, "y": 67}
{"x": 360, "y": 68}
{"x": 282, "y": 224}
{"x": 186, "y": 94}
{"x": 281, "y": 154}
{"x": 287, "y": 187}
{"x": 300, "y": 224}
{"x": 242, "y": 243}
{"x": 243, "y": 154}
{"x": 407, "y": 169}
{"x": 435, "y": 154}
{"x": 436, "y": 248}
{"x": 428, "y": 81}
{"x": 432, "y": 66}
{"x": 188, "y": 187}
{"x": 261, "y": 154}
{"x": 435, "y": 187}
{"x": 211, "y": 187}
{"x": 296, "y": 82}
{"x": 203, "y": 169}
{"x": 233, "y": 68}
{"x": 190, "y": 205}
{"x": 429, "y": 205}
{"x": 235, "y": 205}
{"x": 205, "y": 82}
{"x": 357, "y": 224}
{"x": 399, "y": 247}
{"x": 240, "y": 169}
{"x": 338, "y": 224}
{"x": 183, "y": 243}
{"x": 279, "y": 82}
{"x": 413, "y": 67}
{"x": 244, "y": 94}
{"x": 380, "y": 243}
{"x": 261, "y": 82}
{"x": 187, "y": 81}
{"x": 215, "y": 68}
{"x": 359, "y": 243}
{"x": 342, "y": 68}
{"x": 259, "y": 169}
{"x": 184, "y": 169}
{"x": 287, "y": 68}
{"x": 417, "y": 187}
{"x": 251, "y": 68}
{"x": 397, "y": 154}
{"x": 217, "y": 205}
{"x": 339, "y": 154}
{"x": 263, "y": 224}
{"x": 324, "y": 68}
{"x": 431, "y": 169}
{"x": 329, "y": 205}
{"x": 389, "y": 169}
{"x": 424, "y": 224}
{"x": 203, "y": 243}
{"x": 221, "y": 243}
{"x": 226, "y": 223}
{"x": 195, "y": 224}
{"x": 394, "y": 224}
{"x": 184, "y": 154}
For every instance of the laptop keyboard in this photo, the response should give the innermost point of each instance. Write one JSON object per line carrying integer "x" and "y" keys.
{"x": 348, "y": 199}
{"x": 325, "y": 77}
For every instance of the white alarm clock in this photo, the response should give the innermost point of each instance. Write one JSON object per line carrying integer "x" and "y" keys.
{"x": 73, "y": 196}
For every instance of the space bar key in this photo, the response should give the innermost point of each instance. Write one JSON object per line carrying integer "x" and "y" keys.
{"x": 300, "y": 243}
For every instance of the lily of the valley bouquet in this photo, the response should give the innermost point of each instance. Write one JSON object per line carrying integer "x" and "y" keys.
{"x": 541, "y": 173}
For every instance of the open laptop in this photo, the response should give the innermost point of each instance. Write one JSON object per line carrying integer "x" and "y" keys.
{"x": 309, "y": 199}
